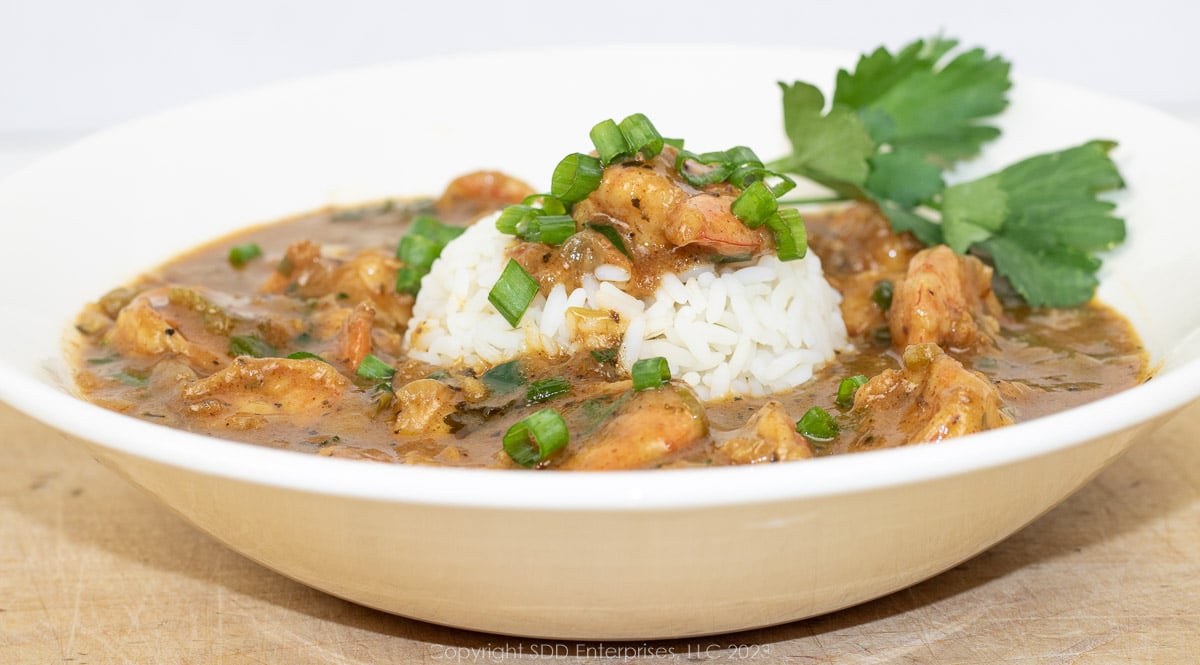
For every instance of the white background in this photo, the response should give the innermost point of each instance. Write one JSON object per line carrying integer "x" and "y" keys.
{"x": 70, "y": 67}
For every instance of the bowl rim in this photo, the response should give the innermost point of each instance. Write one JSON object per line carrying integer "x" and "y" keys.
{"x": 643, "y": 490}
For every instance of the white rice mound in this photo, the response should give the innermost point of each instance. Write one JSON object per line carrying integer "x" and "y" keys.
{"x": 744, "y": 329}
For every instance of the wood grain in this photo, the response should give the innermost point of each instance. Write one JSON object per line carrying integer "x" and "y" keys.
{"x": 94, "y": 571}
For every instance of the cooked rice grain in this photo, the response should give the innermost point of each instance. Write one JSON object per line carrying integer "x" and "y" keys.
{"x": 726, "y": 330}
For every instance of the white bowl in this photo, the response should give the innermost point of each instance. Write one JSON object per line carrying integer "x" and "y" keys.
{"x": 580, "y": 555}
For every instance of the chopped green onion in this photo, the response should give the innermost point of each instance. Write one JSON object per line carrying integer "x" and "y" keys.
{"x": 133, "y": 378}
{"x": 536, "y": 437}
{"x": 674, "y": 143}
{"x": 791, "y": 238}
{"x": 408, "y": 279}
{"x": 516, "y": 219}
{"x": 740, "y": 155}
{"x": 554, "y": 229}
{"x": 545, "y": 389}
{"x": 250, "y": 345}
{"x": 744, "y": 175}
{"x": 817, "y": 424}
{"x": 719, "y": 161}
{"x": 550, "y": 205}
{"x": 375, "y": 369}
{"x": 650, "y": 373}
{"x": 513, "y": 292}
{"x": 755, "y": 205}
{"x": 610, "y": 142}
{"x": 449, "y": 232}
{"x": 418, "y": 251}
{"x": 421, "y": 245}
{"x": 304, "y": 355}
{"x": 847, "y": 388}
{"x": 882, "y": 294}
{"x": 576, "y": 176}
{"x": 612, "y": 234}
{"x": 641, "y": 135}
{"x": 604, "y": 356}
{"x": 504, "y": 377}
{"x": 784, "y": 185}
{"x": 432, "y": 228}
{"x": 242, "y": 254}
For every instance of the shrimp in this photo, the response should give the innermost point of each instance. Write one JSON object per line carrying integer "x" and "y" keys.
{"x": 369, "y": 277}
{"x": 302, "y": 389}
{"x": 859, "y": 250}
{"x": 651, "y": 426}
{"x": 422, "y": 407}
{"x": 945, "y": 299}
{"x": 932, "y": 398}
{"x": 480, "y": 192}
{"x": 769, "y": 436}
{"x": 656, "y": 210}
{"x": 705, "y": 220}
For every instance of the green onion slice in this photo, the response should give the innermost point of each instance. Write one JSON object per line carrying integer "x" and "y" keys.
{"x": 641, "y": 135}
{"x": 791, "y": 238}
{"x": 375, "y": 369}
{"x": 613, "y": 235}
{"x": 817, "y": 425}
{"x": 740, "y": 155}
{"x": 513, "y": 292}
{"x": 755, "y": 205}
{"x": 536, "y": 437}
{"x": 719, "y": 161}
{"x": 421, "y": 245}
{"x": 650, "y": 373}
{"x": 505, "y": 377}
{"x": 847, "y": 388}
{"x": 243, "y": 254}
{"x": 431, "y": 227}
{"x": 418, "y": 251}
{"x": 133, "y": 378}
{"x": 610, "y": 143}
{"x": 576, "y": 176}
{"x": 881, "y": 295}
{"x": 305, "y": 355}
{"x": 515, "y": 219}
{"x": 250, "y": 345}
{"x": 784, "y": 185}
{"x": 550, "y": 205}
{"x": 408, "y": 279}
{"x": 554, "y": 229}
{"x": 603, "y": 356}
{"x": 545, "y": 389}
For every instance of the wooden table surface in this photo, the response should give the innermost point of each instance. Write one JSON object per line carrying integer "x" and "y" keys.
{"x": 92, "y": 570}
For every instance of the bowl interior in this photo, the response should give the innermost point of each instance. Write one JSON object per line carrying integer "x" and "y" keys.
{"x": 120, "y": 202}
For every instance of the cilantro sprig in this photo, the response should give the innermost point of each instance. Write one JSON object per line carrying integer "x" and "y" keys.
{"x": 899, "y": 120}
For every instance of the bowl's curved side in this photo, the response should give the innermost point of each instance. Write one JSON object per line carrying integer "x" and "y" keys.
{"x": 624, "y": 574}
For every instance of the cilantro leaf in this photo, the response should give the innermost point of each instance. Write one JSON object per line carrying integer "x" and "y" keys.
{"x": 1049, "y": 276}
{"x": 880, "y": 71}
{"x": 1041, "y": 221}
{"x": 832, "y": 149}
{"x": 908, "y": 102}
{"x": 903, "y": 177}
{"x": 903, "y": 219}
{"x": 972, "y": 212}
{"x": 896, "y": 121}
